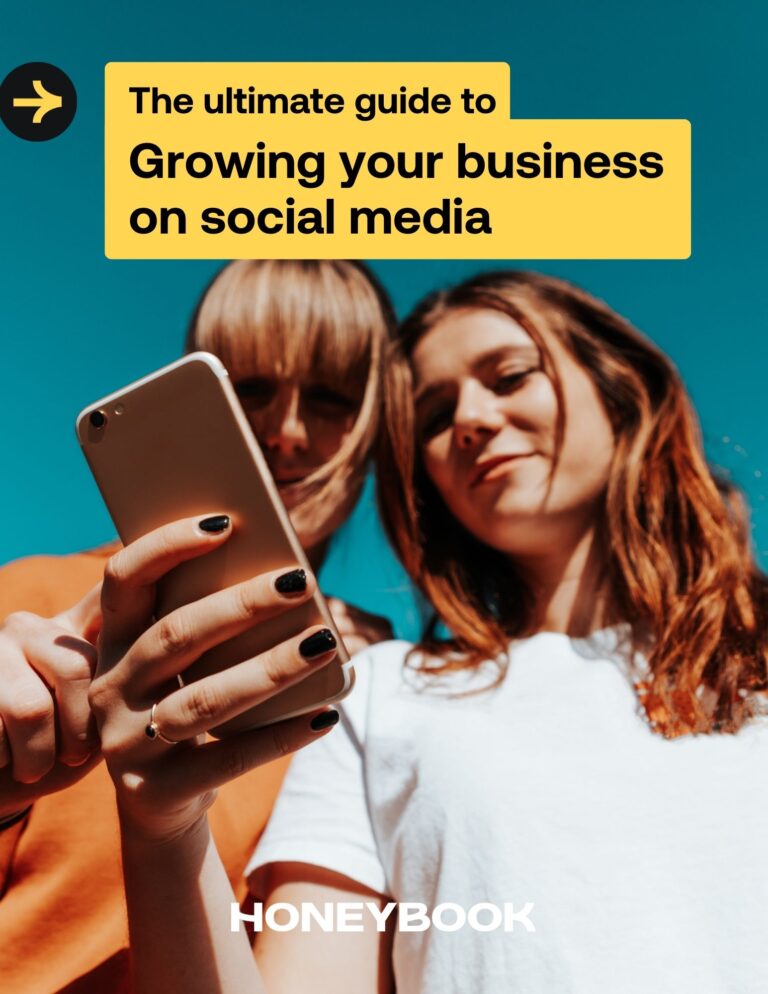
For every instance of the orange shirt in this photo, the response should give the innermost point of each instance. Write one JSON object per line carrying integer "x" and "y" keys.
{"x": 63, "y": 924}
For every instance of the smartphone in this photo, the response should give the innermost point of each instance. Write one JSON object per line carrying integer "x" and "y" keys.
{"x": 176, "y": 444}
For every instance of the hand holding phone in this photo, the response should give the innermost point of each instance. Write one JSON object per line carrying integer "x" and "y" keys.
{"x": 151, "y": 727}
{"x": 176, "y": 444}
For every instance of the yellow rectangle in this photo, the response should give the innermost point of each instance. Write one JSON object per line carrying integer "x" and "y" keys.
{"x": 377, "y": 160}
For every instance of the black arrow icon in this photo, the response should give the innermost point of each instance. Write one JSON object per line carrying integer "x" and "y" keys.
{"x": 37, "y": 101}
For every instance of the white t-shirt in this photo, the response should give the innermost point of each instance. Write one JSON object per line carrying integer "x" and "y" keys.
{"x": 645, "y": 859}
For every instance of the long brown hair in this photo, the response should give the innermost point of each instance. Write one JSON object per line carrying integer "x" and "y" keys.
{"x": 330, "y": 319}
{"x": 680, "y": 569}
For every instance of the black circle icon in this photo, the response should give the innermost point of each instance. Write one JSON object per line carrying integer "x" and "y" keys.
{"x": 37, "y": 101}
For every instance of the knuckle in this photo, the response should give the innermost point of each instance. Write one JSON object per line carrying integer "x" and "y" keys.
{"x": 282, "y": 743}
{"x": 113, "y": 746}
{"x": 19, "y": 622}
{"x": 115, "y": 572}
{"x": 99, "y": 695}
{"x": 233, "y": 763}
{"x": 32, "y": 710}
{"x": 273, "y": 668}
{"x": 173, "y": 635}
{"x": 203, "y": 703}
{"x": 110, "y": 751}
{"x": 164, "y": 545}
{"x": 250, "y": 597}
{"x": 74, "y": 668}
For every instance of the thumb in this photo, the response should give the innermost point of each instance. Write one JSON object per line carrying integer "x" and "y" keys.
{"x": 84, "y": 618}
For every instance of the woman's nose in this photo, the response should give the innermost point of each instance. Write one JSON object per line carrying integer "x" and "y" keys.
{"x": 285, "y": 430}
{"x": 477, "y": 416}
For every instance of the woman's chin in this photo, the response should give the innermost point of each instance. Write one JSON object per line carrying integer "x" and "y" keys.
{"x": 288, "y": 495}
{"x": 508, "y": 504}
{"x": 513, "y": 522}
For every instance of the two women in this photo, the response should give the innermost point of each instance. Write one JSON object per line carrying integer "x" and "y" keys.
{"x": 585, "y": 738}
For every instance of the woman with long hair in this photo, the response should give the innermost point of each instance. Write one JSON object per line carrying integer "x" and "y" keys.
{"x": 560, "y": 787}
{"x": 669, "y": 549}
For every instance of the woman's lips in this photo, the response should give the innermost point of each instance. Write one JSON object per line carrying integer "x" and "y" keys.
{"x": 495, "y": 467}
{"x": 286, "y": 479}
{"x": 285, "y": 476}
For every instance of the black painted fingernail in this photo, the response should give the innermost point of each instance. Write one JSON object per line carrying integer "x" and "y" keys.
{"x": 294, "y": 582}
{"x": 216, "y": 523}
{"x": 317, "y": 644}
{"x": 326, "y": 719}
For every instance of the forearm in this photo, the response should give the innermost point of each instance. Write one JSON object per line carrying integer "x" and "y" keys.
{"x": 179, "y": 899}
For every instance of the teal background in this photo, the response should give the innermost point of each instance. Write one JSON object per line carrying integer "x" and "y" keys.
{"x": 75, "y": 325}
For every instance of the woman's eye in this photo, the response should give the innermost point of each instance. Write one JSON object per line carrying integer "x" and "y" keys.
{"x": 506, "y": 382}
{"x": 326, "y": 400}
{"x": 256, "y": 392}
{"x": 435, "y": 421}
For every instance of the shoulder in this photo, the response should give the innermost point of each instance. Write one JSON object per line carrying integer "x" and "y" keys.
{"x": 49, "y": 584}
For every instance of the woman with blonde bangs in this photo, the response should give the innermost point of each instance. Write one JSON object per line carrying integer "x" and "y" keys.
{"x": 560, "y": 791}
{"x": 303, "y": 339}
{"x": 304, "y": 345}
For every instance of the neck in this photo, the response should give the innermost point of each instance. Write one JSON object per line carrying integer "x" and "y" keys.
{"x": 568, "y": 586}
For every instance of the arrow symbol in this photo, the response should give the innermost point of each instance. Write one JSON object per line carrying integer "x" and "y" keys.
{"x": 44, "y": 101}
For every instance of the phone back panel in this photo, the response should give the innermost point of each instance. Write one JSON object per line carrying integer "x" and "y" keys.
{"x": 177, "y": 444}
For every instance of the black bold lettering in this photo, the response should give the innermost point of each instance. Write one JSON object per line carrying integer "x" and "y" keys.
{"x": 528, "y": 165}
{"x": 212, "y": 221}
{"x": 407, "y": 220}
{"x": 478, "y": 221}
{"x": 166, "y": 214}
{"x": 652, "y": 163}
{"x": 624, "y": 165}
{"x": 597, "y": 165}
{"x": 370, "y": 216}
{"x": 471, "y": 164}
{"x": 143, "y": 221}
{"x": 154, "y": 162}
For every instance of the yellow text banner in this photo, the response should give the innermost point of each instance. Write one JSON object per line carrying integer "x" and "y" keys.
{"x": 377, "y": 160}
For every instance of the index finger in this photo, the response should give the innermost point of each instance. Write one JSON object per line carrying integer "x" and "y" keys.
{"x": 130, "y": 576}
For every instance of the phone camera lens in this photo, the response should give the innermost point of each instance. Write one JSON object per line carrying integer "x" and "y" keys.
{"x": 98, "y": 419}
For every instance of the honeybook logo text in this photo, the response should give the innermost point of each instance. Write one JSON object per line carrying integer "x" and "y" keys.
{"x": 409, "y": 916}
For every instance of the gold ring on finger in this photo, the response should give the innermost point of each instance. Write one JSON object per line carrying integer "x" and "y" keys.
{"x": 152, "y": 729}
